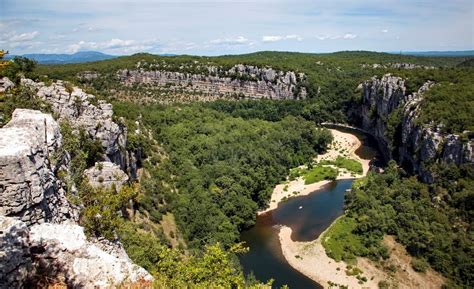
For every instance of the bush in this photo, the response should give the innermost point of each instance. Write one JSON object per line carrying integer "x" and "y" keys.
{"x": 419, "y": 265}
{"x": 319, "y": 173}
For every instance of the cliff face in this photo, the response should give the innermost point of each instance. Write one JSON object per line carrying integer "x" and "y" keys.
{"x": 390, "y": 115}
{"x": 95, "y": 116}
{"x": 29, "y": 187}
{"x": 61, "y": 252}
{"x": 39, "y": 236}
{"x": 241, "y": 81}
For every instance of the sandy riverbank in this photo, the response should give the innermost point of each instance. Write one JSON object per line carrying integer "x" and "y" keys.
{"x": 310, "y": 258}
{"x": 346, "y": 142}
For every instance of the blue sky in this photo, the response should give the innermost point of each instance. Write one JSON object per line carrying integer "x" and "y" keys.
{"x": 228, "y": 27}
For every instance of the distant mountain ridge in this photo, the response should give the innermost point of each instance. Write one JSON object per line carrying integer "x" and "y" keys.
{"x": 78, "y": 57}
{"x": 436, "y": 53}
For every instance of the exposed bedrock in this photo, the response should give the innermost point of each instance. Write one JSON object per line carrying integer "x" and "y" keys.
{"x": 61, "y": 253}
{"x": 29, "y": 188}
{"x": 413, "y": 145}
{"x": 106, "y": 175}
{"x": 240, "y": 81}
{"x": 95, "y": 116}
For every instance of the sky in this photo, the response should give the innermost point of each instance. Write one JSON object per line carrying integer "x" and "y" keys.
{"x": 232, "y": 27}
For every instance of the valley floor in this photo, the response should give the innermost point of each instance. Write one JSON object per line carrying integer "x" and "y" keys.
{"x": 346, "y": 142}
{"x": 310, "y": 258}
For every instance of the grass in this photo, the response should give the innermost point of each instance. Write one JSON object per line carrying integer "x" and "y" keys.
{"x": 340, "y": 242}
{"x": 346, "y": 163}
{"x": 319, "y": 173}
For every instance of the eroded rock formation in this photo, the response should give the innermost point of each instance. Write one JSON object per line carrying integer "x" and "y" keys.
{"x": 39, "y": 237}
{"x": 106, "y": 174}
{"x": 414, "y": 145}
{"x": 83, "y": 110}
{"x": 29, "y": 189}
{"x": 241, "y": 81}
{"x": 60, "y": 252}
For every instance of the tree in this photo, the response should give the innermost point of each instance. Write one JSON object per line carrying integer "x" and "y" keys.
{"x": 19, "y": 67}
{"x": 3, "y": 63}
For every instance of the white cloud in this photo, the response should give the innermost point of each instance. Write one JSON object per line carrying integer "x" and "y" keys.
{"x": 19, "y": 40}
{"x": 347, "y": 36}
{"x": 23, "y": 37}
{"x": 114, "y": 45}
{"x": 274, "y": 38}
{"x": 85, "y": 27}
{"x": 239, "y": 40}
{"x": 271, "y": 38}
{"x": 384, "y": 30}
{"x": 350, "y": 36}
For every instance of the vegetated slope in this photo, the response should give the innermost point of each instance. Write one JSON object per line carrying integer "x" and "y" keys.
{"x": 229, "y": 164}
{"x": 331, "y": 81}
{"x": 196, "y": 142}
{"x": 110, "y": 213}
{"x": 432, "y": 221}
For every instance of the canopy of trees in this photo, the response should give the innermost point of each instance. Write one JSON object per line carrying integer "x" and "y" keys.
{"x": 224, "y": 168}
{"x": 434, "y": 222}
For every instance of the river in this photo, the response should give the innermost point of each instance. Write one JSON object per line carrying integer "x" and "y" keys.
{"x": 307, "y": 216}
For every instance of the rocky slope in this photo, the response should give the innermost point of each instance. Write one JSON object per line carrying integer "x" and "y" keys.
{"x": 29, "y": 188}
{"x": 241, "y": 81}
{"x": 389, "y": 114}
{"x": 39, "y": 236}
{"x": 61, "y": 252}
{"x": 83, "y": 110}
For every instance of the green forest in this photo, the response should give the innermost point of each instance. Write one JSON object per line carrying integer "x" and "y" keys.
{"x": 227, "y": 163}
{"x": 332, "y": 81}
{"x": 432, "y": 221}
{"x": 213, "y": 165}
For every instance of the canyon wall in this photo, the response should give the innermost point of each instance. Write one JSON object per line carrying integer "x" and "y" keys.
{"x": 29, "y": 187}
{"x": 241, "y": 81}
{"x": 83, "y": 110}
{"x": 388, "y": 113}
{"x": 40, "y": 239}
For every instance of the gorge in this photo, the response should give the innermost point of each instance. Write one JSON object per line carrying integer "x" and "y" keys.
{"x": 162, "y": 164}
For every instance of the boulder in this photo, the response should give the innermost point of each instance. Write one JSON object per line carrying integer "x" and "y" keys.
{"x": 5, "y": 84}
{"x": 61, "y": 252}
{"x": 106, "y": 174}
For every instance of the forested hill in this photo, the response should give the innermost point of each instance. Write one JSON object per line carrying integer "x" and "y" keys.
{"x": 207, "y": 167}
{"x": 330, "y": 81}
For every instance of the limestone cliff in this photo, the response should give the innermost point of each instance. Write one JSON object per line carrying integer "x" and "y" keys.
{"x": 61, "y": 253}
{"x": 212, "y": 82}
{"x": 39, "y": 237}
{"x": 95, "y": 116}
{"x": 29, "y": 188}
{"x": 390, "y": 114}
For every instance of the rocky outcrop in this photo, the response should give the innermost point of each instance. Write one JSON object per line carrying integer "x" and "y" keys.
{"x": 39, "y": 238}
{"x": 29, "y": 188}
{"x": 61, "y": 253}
{"x": 398, "y": 65}
{"x": 241, "y": 81}
{"x": 5, "y": 84}
{"x": 106, "y": 174}
{"x": 83, "y": 110}
{"x": 390, "y": 115}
